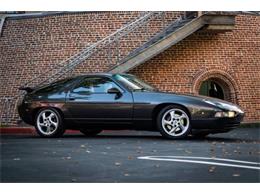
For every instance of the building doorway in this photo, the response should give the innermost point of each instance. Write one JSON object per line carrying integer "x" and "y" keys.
{"x": 217, "y": 84}
{"x": 212, "y": 88}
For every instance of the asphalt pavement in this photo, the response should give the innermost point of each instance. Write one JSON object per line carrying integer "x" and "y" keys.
{"x": 131, "y": 156}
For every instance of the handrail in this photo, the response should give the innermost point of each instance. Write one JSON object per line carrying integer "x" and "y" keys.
{"x": 83, "y": 54}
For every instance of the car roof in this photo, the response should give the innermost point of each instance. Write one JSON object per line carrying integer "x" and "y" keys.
{"x": 98, "y": 74}
{"x": 73, "y": 78}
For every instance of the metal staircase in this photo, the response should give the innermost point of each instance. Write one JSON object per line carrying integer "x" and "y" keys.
{"x": 124, "y": 65}
{"x": 171, "y": 35}
{"x": 85, "y": 53}
{"x": 8, "y": 104}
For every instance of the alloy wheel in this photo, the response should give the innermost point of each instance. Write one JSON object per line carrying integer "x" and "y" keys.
{"x": 47, "y": 122}
{"x": 175, "y": 122}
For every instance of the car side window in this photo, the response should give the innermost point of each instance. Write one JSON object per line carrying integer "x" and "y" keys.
{"x": 94, "y": 85}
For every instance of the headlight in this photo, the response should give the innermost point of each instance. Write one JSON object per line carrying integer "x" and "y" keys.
{"x": 225, "y": 106}
{"x": 229, "y": 114}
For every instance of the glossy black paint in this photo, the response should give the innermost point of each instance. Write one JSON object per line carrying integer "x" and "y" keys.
{"x": 122, "y": 108}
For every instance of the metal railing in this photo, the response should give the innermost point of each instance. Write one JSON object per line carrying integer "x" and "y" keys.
{"x": 111, "y": 43}
{"x": 85, "y": 53}
{"x": 8, "y": 110}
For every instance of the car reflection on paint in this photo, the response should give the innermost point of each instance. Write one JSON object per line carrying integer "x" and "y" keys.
{"x": 91, "y": 103}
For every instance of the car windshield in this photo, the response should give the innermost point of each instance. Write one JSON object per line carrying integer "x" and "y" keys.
{"x": 133, "y": 83}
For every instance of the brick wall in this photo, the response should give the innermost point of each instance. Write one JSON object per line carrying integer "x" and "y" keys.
{"x": 232, "y": 57}
{"x": 29, "y": 47}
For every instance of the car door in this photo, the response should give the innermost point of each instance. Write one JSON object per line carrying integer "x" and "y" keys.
{"x": 89, "y": 102}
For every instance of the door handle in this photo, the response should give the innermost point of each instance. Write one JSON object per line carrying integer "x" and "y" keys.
{"x": 71, "y": 98}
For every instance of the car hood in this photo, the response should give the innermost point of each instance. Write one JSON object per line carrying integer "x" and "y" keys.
{"x": 199, "y": 98}
{"x": 217, "y": 102}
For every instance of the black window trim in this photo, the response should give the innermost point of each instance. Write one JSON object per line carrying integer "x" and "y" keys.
{"x": 122, "y": 89}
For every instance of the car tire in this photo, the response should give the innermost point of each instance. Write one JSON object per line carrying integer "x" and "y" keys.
{"x": 49, "y": 123}
{"x": 174, "y": 122}
{"x": 91, "y": 132}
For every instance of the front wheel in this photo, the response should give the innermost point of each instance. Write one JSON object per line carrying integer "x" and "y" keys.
{"x": 174, "y": 122}
{"x": 49, "y": 123}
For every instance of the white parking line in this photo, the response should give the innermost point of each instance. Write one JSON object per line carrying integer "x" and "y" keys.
{"x": 202, "y": 160}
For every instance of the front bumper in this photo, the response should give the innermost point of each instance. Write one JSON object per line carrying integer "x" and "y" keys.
{"x": 217, "y": 125}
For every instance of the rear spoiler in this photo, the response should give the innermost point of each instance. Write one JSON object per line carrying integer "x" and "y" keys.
{"x": 27, "y": 89}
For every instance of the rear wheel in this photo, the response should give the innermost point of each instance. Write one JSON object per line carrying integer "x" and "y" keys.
{"x": 91, "y": 132}
{"x": 174, "y": 122}
{"x": 49, "y": 123}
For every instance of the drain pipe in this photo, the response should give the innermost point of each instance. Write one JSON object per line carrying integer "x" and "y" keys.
{"x": 2, "y": 23}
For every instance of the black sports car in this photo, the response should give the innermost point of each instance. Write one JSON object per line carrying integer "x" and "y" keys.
{"x": 91, "y": 103}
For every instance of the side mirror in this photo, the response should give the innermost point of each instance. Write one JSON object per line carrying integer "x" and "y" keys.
{"x": 115, "y": 91}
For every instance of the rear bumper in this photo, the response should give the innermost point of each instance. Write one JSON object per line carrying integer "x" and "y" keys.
{"x": 25, "y": 114}
{"x": 217, "y": 125}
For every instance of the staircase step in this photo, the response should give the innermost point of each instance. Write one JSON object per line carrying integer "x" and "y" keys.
{"x": 161, "y": 35}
